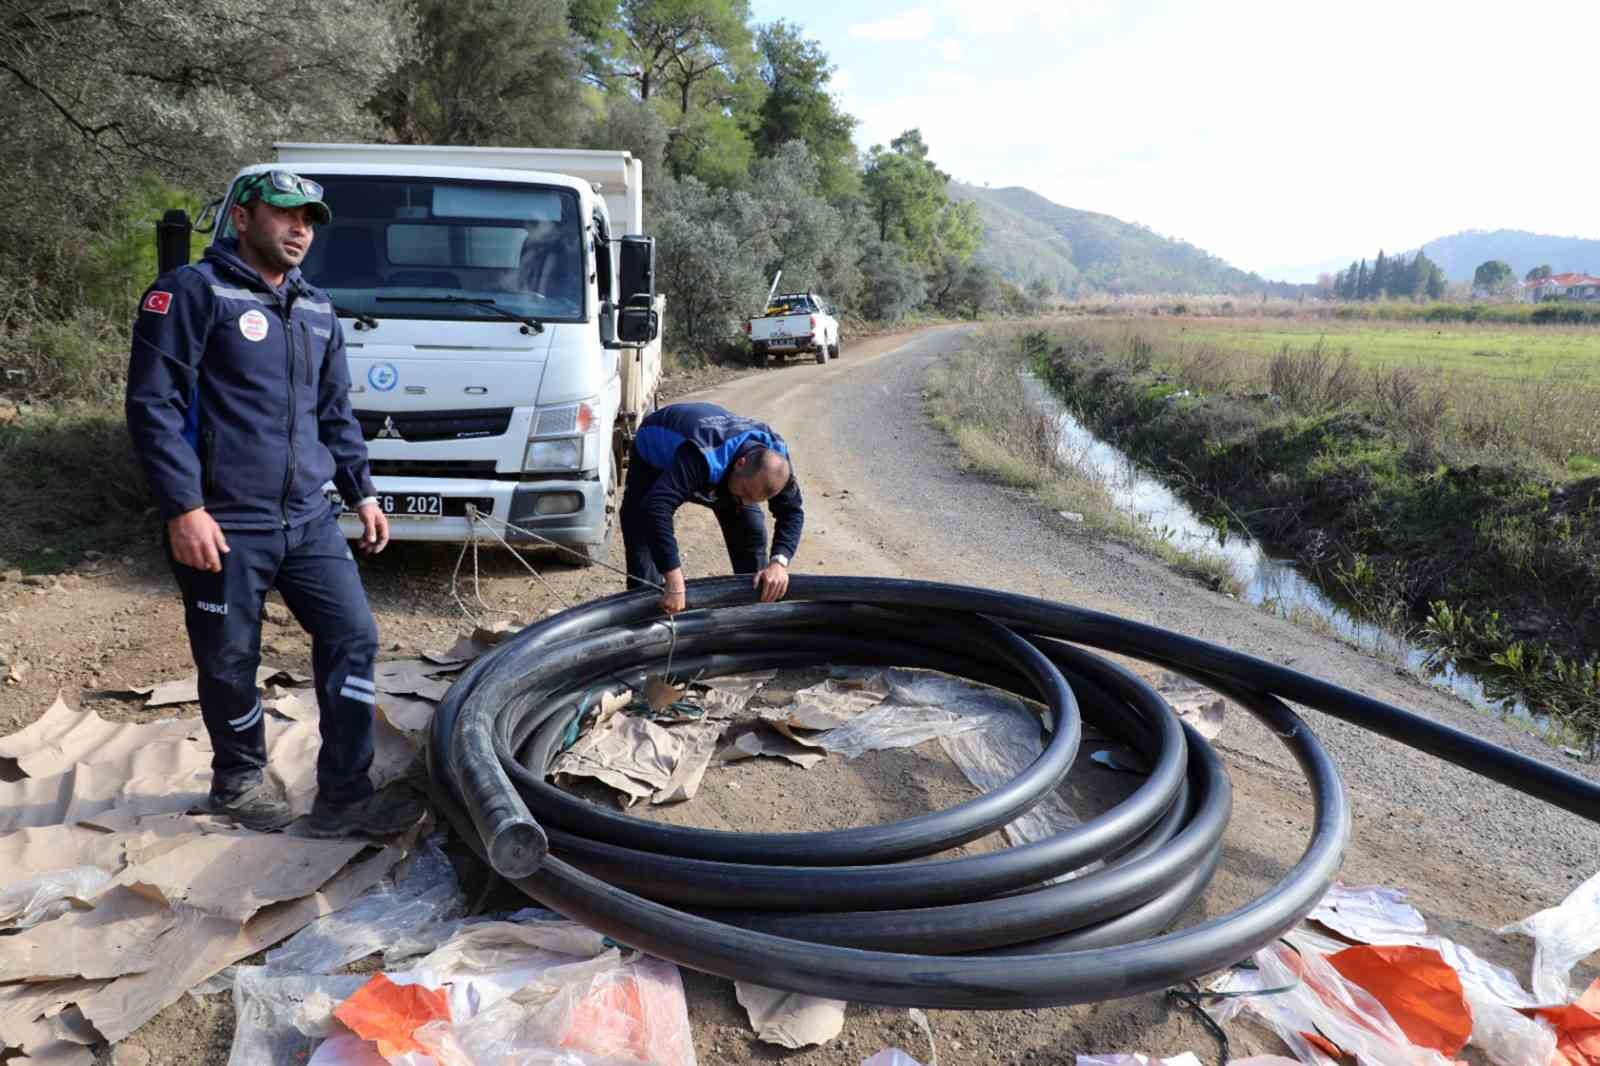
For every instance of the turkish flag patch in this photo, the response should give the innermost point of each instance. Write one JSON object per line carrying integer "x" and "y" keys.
{"x": 157, "y": 301}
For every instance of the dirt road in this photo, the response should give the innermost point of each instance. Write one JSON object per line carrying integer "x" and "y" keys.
{"x": 885, "y": 495}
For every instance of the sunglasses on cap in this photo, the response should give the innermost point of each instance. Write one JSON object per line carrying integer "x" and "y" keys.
{"x": 282, "y": 181}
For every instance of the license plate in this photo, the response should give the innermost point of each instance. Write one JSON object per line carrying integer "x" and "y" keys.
{"x": 411, "y": 504}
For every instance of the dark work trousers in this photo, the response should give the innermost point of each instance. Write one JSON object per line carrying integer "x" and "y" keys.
{"x": 744, "y": 529}
{"x": 316, "y": 573}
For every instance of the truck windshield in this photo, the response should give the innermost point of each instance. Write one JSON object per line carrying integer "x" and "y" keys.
{"x": 518, "y": 246}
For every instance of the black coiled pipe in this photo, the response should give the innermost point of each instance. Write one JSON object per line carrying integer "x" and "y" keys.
{"x": 849, "y": 914}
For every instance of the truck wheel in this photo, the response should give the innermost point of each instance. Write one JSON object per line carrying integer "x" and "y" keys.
{"x": 822, "y": 353}
{"x": 836, "y": 343}
{"x": 759, "y": 359}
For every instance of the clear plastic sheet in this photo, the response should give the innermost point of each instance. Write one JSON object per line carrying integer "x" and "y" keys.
{"x": 426, "y": 893}
{"x": 991, "y": 737}
{"x": 601, "y": 1012}
{"x": 1563, "y": 936}
{"x": 26, "y": 903}
{"x": 282, "y": 1018}
{"x": 1135, "y": 1059}
{"x": 429, "y": 937}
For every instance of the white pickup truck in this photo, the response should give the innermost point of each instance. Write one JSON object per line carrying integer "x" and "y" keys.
{"x": 502, "y": 328}
{"x": 794, "y": 322}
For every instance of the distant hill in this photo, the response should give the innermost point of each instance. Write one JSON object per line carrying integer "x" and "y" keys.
{"x": 1459, "y": 254}
{"x": 1028, "y": 237}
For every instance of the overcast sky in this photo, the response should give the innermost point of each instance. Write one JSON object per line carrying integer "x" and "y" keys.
{"x": 1270, "y": 133}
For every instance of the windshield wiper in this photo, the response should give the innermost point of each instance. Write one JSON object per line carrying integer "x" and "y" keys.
{"x": 362, "y": 318}
{"x": 529, "y": 323}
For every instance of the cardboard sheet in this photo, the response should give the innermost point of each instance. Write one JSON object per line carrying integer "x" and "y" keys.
{"x": 203, "y": 945}
{"x": 233, "y": 876}
{"x": 63, "y": 737}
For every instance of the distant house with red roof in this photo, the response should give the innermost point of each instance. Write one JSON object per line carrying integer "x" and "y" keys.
{"x": 1562, "y": 287}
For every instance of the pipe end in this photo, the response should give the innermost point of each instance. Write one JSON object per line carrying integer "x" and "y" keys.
{"x": 517, "y": 850}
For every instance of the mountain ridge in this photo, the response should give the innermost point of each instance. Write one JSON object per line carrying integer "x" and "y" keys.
{"x": 1027, "y": 237}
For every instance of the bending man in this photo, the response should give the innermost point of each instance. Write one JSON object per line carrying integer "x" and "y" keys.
{"x": 701, "y": 453}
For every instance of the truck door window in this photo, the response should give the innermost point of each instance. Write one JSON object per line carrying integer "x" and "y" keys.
{"x": 519, "y": 245}
{"x": 602, "y": 258}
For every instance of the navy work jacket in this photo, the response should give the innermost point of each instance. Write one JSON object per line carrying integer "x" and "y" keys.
{"x": 238, "y": 396}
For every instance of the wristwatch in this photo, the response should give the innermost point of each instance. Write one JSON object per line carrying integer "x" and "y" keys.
{"x": 781, "y": 560}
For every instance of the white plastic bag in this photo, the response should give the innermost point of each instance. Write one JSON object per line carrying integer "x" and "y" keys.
{"x": 1319, "y": 999}
{"x": 1135, "y": 1059}
{"x": 1563, "y": 936}
{"x": 388, "y": 912}
{"x": 891, "y": 1056}
{"x": 1370, "y": 915}
{"x": 26, "y": 903}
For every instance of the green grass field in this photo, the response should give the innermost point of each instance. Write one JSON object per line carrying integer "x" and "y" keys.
{"x": 1492, "y": 350}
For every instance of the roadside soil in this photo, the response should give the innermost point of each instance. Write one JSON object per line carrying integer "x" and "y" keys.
{"x": 886, "y": 495}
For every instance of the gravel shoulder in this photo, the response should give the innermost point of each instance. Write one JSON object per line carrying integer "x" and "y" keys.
{"x": 886, "y": 495}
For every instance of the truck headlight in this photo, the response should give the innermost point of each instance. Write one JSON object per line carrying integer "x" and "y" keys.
{"x": 563, "y": 454}
{"x": 567, "y": 418}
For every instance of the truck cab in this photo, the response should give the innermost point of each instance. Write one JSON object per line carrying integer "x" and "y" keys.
{"x": 481, "y": 297}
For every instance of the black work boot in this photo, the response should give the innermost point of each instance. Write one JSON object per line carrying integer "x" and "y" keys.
{"x": 394, "y": 810}
{"x": 260, "y": 806}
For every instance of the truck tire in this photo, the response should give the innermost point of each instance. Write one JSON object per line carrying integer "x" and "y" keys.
{"x": 822, "y": 353}
{"x": 836, "y": 343}
{"x": 759, "y": 358}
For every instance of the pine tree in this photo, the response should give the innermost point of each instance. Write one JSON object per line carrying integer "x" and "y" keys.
{"x": 1380, "y": 277}
{"x": 1435, "y": 281}
{"x": 1363, "y": 282}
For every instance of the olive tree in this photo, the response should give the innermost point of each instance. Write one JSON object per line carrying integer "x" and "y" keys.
{"x": 94, "y": 95}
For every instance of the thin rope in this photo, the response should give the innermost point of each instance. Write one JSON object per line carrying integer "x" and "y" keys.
{"x": 491, "y": 521}
{"x": 473, "y": 516}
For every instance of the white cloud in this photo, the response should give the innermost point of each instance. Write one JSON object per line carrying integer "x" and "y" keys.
{"x": 912, "y": 24}
{"x": 1212, "y": 125}
{"x": 1026, "y": 16}
{"x": 951, "y": 50}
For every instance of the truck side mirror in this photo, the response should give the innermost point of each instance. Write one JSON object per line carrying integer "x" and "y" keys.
{"x": 638, "y": 326}
{"x": 637, "y": 320}
{"x": 637, "y": 272}
{"x": 172, "y": 240}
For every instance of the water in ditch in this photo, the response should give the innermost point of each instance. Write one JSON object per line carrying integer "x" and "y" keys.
{"x": 1274, "y": 584}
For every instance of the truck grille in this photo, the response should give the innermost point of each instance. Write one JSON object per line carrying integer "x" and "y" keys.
{"x": 434, "y": 425}
{"x": 483, "y": 468}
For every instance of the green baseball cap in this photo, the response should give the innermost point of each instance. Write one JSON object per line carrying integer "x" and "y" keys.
{"x": 283, "y": 189}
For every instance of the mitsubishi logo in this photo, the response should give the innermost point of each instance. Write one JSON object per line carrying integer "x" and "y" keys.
{"x": 388, "y": 432}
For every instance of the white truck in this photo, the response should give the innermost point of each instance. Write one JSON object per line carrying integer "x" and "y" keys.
{"x": 794, "y": 322}
{"x": 502, "y": 329}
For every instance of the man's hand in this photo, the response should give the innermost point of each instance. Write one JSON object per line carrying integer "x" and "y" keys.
{"x": 772, "y": 582}
{"x": 374, "y": 528}
{"x": 197, "y": 540}
{"x": 674, "y": 597}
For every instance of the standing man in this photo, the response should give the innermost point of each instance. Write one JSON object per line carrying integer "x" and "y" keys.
{"x": 239, "y": 410}
{"x": 701, "y": 453}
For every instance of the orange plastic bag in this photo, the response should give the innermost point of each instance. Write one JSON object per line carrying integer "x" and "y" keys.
{"x": 387, "y": 1013}
{"x": 1417, "y": 987}
{"x": 1577, "y": 1027}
